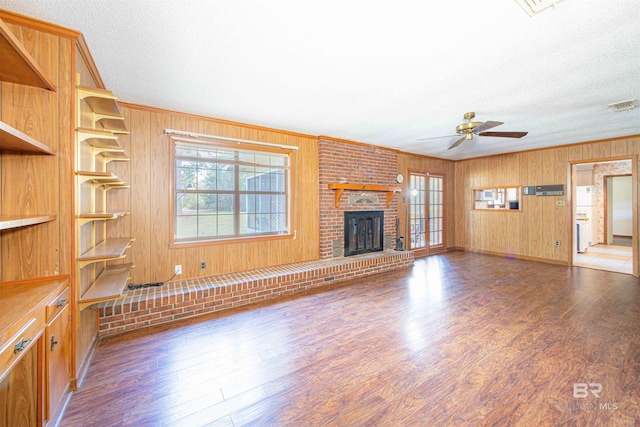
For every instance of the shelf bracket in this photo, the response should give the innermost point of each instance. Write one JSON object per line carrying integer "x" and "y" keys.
{"x": 338, "y": 194}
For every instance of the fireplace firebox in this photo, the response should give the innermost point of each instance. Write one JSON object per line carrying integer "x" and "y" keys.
{"x": 363, "y": 232}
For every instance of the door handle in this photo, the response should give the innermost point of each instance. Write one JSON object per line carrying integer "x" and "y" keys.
{"x": 53, "y": 342}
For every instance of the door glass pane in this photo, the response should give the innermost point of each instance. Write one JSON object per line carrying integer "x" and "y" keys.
{"x": 436, "y": 219}
{"x": 418, "y": 218}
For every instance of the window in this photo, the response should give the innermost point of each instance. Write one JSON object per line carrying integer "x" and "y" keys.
{"x": 499, "y": 198}
{"x": 228, "y": 190}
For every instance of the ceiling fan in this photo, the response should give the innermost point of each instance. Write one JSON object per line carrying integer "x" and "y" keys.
{"x": 469, "y": 128}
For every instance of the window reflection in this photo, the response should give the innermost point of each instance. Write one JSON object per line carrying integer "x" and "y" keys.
{"x": 425, "y": 291}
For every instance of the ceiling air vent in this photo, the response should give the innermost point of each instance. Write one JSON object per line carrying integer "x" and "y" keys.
{"x": 534, "y": 6}
{"x": 624, "y": 105}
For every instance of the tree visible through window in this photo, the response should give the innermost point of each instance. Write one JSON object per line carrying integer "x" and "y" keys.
{"x": 224, "y": 190}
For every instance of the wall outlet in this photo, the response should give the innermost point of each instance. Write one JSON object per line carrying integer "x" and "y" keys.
{"x": 178, "y": 269}
{"x": 560, "y": 203}
{"x": 556, "y": 243}
{"x": 203, "y": 265}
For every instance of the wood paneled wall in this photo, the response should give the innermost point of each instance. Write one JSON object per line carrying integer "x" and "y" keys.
{"x": 149, "y": 199}
{"x": 530, "y": 233}
{"x": 410, "y": 162}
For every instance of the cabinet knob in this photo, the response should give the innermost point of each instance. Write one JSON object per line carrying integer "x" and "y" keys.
{"x": 21, "y": 345}
{"x": 53, "y": 342}
{"x": 61, "y": 302}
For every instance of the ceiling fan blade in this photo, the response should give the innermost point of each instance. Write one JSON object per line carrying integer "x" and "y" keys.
{"x": 505, "y": 134}
{"x": 458, "y": 142}
{"x": 436, "y": 137}
{"x": 486, "y": 126}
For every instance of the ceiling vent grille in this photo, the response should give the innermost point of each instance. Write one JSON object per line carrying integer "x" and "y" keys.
{"x": 624, "y": 105}
{"x": 534, "y": 6}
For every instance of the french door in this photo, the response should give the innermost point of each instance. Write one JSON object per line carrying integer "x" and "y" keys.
{"x": 426, "y": 213}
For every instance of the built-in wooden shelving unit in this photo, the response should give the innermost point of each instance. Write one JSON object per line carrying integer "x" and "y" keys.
{"x": 97, "y": 146}
{"x": 339, "y": 188}
{"x": 17, "y": 65}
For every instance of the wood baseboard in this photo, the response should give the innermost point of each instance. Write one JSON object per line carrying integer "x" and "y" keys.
{"x": 515, "y": 256}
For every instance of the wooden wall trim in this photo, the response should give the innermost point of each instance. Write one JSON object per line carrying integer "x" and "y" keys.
{"x": 213, "y": 119}
{"x": 36, "y": 24}
{"x": 505, "y": 255}
{"x": 553, "y": 147}
{"x": 425, "y": 157}
{"x": 361, "y": 144}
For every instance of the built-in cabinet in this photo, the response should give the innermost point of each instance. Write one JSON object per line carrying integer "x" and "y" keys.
{"x": 99, "y": 122}
{"x": 34, "y": 350}
{"x": 584, "y": 175}
{"x": 57, "y": 352}
{"x": 34, "y": 379}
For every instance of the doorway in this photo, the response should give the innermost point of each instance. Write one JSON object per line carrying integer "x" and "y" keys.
{"x": 426, "y": 213}
{"x": 618, "y": 212}
{"x": 602, "y": 207}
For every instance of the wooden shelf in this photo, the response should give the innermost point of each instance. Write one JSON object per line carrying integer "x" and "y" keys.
{"x": 112, "y": 156}
{"x": 17, "y": 65}
{"x": 339, "y": 188}
{"x": 13, "y": 140}
{"x": 113, "y": 124}
{"x": 99, "y": 138}
{"x": 105, "y": 108}
{"x": 109, "y": 249}
{"x": 101, "y": 101}
{"x": 109, "y": 285}
{"x": 101, "y": 178}
{"x": 8, "y": 222}
{"x": 104, "y": 142}
{"x": 101, "y": 216}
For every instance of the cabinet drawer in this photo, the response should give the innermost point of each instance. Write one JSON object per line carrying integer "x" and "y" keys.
{"x": 57, "y": 304}
{"x": 19, "y": 344}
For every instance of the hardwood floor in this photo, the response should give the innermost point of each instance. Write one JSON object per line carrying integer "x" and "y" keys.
{"x": 459, "y": 339}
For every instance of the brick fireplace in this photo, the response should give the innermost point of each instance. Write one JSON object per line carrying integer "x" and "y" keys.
{"x": 342, "y": 162}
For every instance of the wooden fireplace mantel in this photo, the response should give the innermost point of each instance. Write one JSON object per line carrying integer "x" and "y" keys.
{"x": 339, "y": 189}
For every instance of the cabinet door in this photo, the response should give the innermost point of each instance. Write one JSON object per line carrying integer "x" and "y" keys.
{"x": 19, "y": 392}
{"x": 57, "y": 360}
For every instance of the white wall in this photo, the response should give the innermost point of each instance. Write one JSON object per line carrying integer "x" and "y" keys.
{"x": 622, "y": 209}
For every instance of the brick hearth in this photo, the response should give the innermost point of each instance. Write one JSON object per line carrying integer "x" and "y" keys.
{"x": 145, "y": 307}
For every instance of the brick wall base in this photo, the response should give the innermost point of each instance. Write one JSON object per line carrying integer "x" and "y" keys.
{"x": 193, "y": 297}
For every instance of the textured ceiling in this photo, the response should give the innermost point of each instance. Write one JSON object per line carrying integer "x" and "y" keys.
{"x": 383, "y": 73}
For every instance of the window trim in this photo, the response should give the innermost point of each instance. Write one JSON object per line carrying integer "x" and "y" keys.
{"x": 290, "y": 234}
